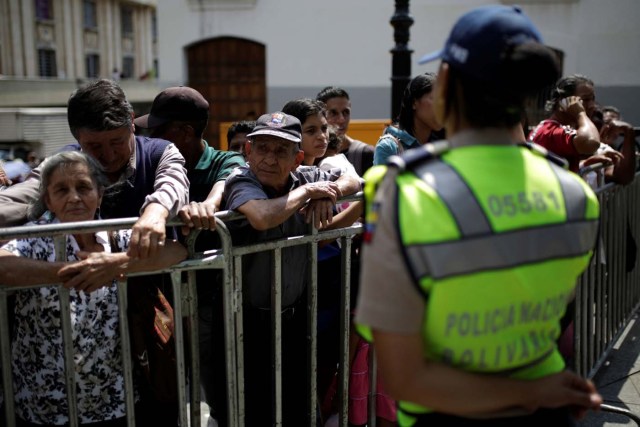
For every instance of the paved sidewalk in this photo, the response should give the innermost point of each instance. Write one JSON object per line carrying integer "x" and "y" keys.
{"x": 618, "y": 380}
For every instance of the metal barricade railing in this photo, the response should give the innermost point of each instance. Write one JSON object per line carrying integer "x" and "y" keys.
{"x": 606, "y": 297}
{"x": 59, "y": 232}
{"x": 608, "y": 292}
{"x": 228, "y": 259}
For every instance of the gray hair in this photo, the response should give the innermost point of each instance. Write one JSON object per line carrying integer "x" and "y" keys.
{"x": 99, "y": 106}
{"x": 62, "y": 160}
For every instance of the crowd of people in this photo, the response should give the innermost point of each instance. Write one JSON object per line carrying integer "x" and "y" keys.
{"x": 453, "y": 177}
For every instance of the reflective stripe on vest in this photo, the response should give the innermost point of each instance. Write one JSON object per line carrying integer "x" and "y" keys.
{"x": 497, "y": 251}
{"x": 479, "y": 248}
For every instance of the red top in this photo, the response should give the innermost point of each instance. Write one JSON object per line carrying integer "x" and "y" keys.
{"x": 558, "y": 139}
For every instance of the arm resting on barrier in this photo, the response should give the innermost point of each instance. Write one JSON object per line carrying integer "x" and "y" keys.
{"x": 408, "y": 376}
{"x": 201, "y": 215}
{"x": 149, "y": 232}
{"x": 95, "y": 269}
{"x": 19, "y": 271}
{"x": 264, "y": 214}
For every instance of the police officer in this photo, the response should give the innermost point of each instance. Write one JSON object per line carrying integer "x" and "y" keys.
{"x": 475, "y": 244}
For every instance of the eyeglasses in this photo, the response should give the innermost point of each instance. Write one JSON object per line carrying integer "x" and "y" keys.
{"x": 264, "y": 149}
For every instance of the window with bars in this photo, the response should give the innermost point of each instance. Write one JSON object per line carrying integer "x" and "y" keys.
{"x": 127, "y": 67}
{"x": 126, "y": 20}
{"x": 47, "y": 63}
{"x": 90, "y": 14}
{"x": 92, "y": 65}
{"x": 44, "y": 10}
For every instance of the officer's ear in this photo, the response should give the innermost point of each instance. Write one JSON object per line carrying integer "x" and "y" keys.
{"x": 440, "y": 90}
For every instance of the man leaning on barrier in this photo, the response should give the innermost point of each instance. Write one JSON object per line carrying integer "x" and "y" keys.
{"x": 279, "y": 199}
{"x": 149, "y": 175}
{"x": 147, "y": 178}
{"x": 180, "y": 115}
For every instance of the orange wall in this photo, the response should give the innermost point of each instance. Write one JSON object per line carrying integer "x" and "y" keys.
{"x": 365, "y": 130}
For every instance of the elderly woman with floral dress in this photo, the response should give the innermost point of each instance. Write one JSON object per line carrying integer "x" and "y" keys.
{"x": 71, "y": 190}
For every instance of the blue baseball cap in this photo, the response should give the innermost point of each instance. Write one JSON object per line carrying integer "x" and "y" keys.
{"x": 480, "y": 37}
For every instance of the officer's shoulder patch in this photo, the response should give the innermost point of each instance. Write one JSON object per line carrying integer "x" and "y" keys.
{"x": 416, "y": 156}
{"x": 541, "y": 151}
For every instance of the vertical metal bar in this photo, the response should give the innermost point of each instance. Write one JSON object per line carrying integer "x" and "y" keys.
{"x": 615, "y": 266}
{"x": 599, "y": 294}
{"x": 629, "y": 211}
{"x": 67, "y": 336}
{"x": 125, "y": 345}
{"x": 609, "y": 294}
{"x": 5, "y": 357}
{"x": 276, "y": 335}
{"x": 178, "y": 332}
{"x": 578, "y": 327}
{"x": 373, "y": 387}
{"x": 345, "y": 315}
{"x": 191, "y": 296}
{"x": 238, "y": 343}
{"x": 194, "y": 333}
{"x": 602, "y": 287}
{"x": 232, "y": 311}
{"x": 589, "y": 344}
{"x": 312, "y": 325}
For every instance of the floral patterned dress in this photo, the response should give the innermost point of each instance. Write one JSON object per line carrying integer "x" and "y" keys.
{"x": 37, "y": 349}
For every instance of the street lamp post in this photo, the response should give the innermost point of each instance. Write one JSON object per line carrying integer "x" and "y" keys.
{"x": 401, "y": 55}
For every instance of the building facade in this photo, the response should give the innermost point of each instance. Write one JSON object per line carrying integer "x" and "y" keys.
{"x": 50, "y": 47}
{"x": 47, "y": 47}
{"x": 251, "y": 56}
{"x": 309, "y": 45}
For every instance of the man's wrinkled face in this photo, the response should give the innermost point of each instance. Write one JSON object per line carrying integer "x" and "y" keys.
{"x": 271, "y": 159}
{"x": 112, "y": 148}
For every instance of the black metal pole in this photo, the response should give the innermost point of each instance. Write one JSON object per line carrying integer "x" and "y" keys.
{"x": 401, "y": 55}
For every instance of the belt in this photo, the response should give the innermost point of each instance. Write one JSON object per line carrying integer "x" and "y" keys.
{"x": 287, "y": 313}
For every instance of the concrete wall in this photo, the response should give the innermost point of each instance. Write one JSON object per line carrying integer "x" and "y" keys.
{"x": 314, "y": 44}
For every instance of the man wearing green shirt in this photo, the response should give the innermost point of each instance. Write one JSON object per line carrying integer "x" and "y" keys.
{"x": 180, "y": 115}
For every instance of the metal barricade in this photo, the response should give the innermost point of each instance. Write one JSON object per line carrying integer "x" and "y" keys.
{"x": 608, "y": 292}
{"x": 228, "y": 259}
{"x": 184, "y": 307}
{"x": 606, "y": 298}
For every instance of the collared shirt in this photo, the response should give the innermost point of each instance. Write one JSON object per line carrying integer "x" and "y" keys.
{"x": 171, "y": 188}
{"x": 171, "y": 185}
{"x": 243, "y": 186}
{"x": 213, "y": 166}
{"x": 37, "y": 349}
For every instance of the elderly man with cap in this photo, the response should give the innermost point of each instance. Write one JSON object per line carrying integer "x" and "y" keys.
{"x": 180, "y": 115}
{"x": 279, "y": 199}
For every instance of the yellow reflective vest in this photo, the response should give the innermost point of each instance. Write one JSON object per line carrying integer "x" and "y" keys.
{"x": 496, "y": 261}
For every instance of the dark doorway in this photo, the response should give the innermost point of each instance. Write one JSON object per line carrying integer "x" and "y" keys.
{"x": 230, "y": 73}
